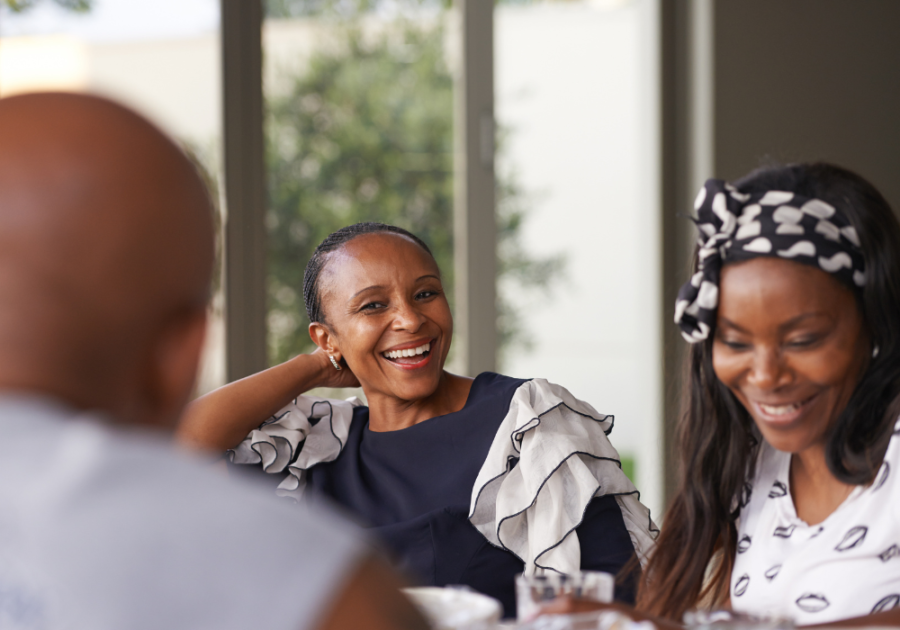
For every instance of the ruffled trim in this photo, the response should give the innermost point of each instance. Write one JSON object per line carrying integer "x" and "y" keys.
{"x": 549, "y": 459}
{"x": 308, "y": 431}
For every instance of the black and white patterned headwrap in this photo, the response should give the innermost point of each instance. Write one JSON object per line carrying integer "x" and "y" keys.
{"x": 735, "y": 226}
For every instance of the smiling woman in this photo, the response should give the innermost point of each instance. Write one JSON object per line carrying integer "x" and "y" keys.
{"x": 467, "y": 481}
{"x": 389, "y": 318}
{"x": 788, "y": 437}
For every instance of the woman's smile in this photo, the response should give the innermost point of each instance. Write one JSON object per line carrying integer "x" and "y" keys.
{"x": 783, "y": 413}
{"x": 410, "y": 356}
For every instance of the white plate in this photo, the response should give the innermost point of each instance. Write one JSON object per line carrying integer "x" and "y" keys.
{"x": 455, "y": 608}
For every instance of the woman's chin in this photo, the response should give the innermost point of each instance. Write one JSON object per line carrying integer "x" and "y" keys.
{"x": 413, "y": 383}
{"x": 793, "y": 440}
{"x": 418, "y": 391}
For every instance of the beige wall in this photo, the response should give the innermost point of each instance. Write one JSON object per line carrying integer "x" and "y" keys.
{"x": 745, "y": 82}
{"x": 799, "y": 80}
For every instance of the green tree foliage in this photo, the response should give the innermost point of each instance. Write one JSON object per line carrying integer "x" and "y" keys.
{"x": 365, "y": 133}
{"x": 343, "y": 8}
{"x": 79, "y": 6}
{"x": 303, "y": 8}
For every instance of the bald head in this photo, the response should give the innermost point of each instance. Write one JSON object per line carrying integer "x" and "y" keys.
{"x": 106, "y": 249}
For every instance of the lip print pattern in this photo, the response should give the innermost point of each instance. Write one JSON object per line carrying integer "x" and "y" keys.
{"x": 779, "y": 489}
{"x": 882, "y": 476}
{"x": 784, "y": 532}
{"x": 891, "y": 552}
{"x": 852, "y": 538}
{"x": 887, "y": 603}
{"x": 772, "y": 573}
{"x": 818, "y": 531}
{"x": 740, "y": 587}
{"x": 812, "y": 602}
{"x": 743, "y": 544}
{"x": 737, "y": 226}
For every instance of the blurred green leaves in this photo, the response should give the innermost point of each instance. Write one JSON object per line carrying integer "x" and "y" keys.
{"x": 364, "y": 132}
{"x": 342, "y": 8}
{"x": 20, "y": 6}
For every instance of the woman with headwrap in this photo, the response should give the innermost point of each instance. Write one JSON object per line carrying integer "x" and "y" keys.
{"x": 467, "y": 481}
{"x": 788, "y": 502}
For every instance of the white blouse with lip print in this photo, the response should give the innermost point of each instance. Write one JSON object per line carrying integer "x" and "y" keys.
{"x": 846, "y": 566}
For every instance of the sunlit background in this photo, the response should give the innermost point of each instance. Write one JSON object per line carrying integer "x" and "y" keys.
{"x": 599, "y": 120}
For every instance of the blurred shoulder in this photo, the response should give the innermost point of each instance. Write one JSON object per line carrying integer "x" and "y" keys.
{"x": 105, "y": 514}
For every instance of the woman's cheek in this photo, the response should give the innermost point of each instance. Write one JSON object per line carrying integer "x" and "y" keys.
{"x": 827, "y": 367}
{"x": 723, "y": 364}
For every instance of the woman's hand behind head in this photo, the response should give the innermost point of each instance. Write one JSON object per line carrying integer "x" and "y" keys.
{"x": 331, "y": 376}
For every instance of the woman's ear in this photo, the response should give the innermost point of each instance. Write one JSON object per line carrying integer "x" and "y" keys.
{"x": 325, "y": 339}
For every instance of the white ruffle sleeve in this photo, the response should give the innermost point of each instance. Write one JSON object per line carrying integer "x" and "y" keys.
{"x": 308, "y": 431}
{"x": 549, "y": 458}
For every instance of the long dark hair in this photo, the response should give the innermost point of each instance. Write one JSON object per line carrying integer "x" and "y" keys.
{"x": 717, "y": 440}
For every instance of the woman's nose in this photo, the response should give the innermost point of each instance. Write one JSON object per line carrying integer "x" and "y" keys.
{"x": 768, "y": 370}
{"x": 408, "y": 318}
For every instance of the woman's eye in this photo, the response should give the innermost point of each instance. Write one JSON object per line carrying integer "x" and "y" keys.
{"x": 802, "y": 342}
{"x": 422, "y": 295}
{"x": 371, "y": 306}
{"x": 734, "y": 344}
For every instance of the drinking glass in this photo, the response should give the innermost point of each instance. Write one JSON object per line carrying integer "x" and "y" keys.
{"x": 534, "y": 590}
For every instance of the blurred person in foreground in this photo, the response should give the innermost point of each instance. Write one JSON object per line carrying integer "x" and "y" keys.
{"x": 789, "y": 442}
{"x": 106, "y": 254}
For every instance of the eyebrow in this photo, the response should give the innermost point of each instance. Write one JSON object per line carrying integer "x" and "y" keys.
{"x": 358, "y": 293}
{"x": 785, "y": 326}
{"x": 379, "y": 286}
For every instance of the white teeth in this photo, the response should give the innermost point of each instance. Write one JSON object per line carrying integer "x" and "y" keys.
{"x": 779, "y": 410}
{"x": 409, "y": 352}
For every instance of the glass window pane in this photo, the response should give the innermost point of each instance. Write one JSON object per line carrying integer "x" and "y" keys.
{"x": 359, "y": 127}
{"x": 576, "y": 105}
{"x": 161, "y": 58}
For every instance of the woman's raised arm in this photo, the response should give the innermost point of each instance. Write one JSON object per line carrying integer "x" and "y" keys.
{"x": 222, "y": 418}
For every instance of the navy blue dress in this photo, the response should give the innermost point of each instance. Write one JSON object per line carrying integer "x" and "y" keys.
{"x": 412, "y": 487}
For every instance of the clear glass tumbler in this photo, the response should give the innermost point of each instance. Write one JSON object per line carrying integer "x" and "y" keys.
{"x": 532, "y": 591}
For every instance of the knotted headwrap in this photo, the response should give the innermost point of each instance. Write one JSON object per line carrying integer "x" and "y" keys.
{"x": 735, "y": 226}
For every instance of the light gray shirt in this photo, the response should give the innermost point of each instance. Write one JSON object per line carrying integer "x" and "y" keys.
{"x": 105, "y": 529}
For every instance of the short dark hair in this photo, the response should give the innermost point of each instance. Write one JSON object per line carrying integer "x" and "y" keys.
{"x": 332, "y": 242}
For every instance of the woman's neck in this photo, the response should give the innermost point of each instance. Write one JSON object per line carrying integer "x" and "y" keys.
{"x": 815, "y": 490}
{"x": 388, "y": 413}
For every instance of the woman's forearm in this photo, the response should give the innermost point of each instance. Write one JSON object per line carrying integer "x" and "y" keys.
{"x": 222, "y": 418}
{"x": 572, "y": 606}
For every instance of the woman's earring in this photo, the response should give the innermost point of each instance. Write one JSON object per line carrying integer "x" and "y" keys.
{"x": 874, "y": 352}
{"x": 334, "y": 363}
